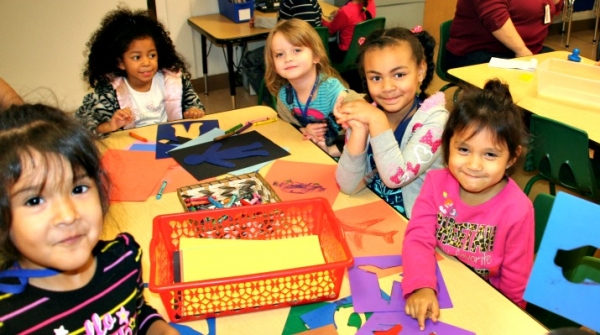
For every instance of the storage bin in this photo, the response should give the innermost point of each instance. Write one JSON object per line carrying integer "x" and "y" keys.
{"x": 196, "y": 300}
{"x": 237, "y": 12}
{"x": 569, "y": 82}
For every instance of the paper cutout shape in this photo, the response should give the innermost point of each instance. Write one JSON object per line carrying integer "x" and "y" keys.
{"x": 167, "y": 133}
{"x": 377, "y": 234}
{"x": 143, "y": 147}
{"x": 325, "y": 330}
{"x": 293, "y": 323}
{"x": 385, "y": 321}
{"x": 206, "y": 170}
{"x": 133, "y": 174}
{"x": 223, "y": 157}
{"x": 366, "y": 292}
{"x": 324, "y": 315}
{"x": 291, "y": 182}
{"x": 395, "y": 330}
{"x": 567, "y": 229}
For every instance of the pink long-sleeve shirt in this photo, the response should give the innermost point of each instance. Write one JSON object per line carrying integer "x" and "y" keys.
{"x": 495, "y": 238}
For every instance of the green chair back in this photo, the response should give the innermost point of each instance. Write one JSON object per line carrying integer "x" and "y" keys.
{"x": 542, "y": 206}
{"x": 262, "y": 91}
{"x": 441, "y": 59}
{"x": 324, "y": 35}
{"x": 560, "y": 154}
{"x": 362, "y": 29}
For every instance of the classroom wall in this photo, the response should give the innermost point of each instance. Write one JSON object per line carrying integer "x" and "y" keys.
{"x": 42, "y": 45}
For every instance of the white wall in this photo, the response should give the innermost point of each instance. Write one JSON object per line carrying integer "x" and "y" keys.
{"x": 42, "y": 45}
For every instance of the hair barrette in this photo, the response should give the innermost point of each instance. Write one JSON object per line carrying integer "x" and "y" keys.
{"x": 416, "y": 29}
{"x": 361, "y": 40}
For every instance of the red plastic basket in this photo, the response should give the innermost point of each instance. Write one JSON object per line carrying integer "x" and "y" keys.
{"x": 186, "y": 301}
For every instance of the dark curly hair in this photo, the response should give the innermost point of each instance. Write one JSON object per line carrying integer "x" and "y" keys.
{"x": 117, "y": 30}
{"x": 490, "y": 108}
{"x": 29, "y": 129}
{"x": 421, "y": 43}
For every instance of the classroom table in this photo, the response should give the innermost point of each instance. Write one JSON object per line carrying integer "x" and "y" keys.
{"x": 478, "y": 307}
{"x": 221, "y": 30}
{"x": 524, "y": 92}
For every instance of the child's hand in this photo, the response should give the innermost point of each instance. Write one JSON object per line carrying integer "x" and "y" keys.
{"x": 314, "y": 132}
{"x": 193, "y": 113}
{"x": 121, "y": 118}
{"x": 358, "y": 110}
{"x": 423, "y": 304}
{"x": 251, "y": 22}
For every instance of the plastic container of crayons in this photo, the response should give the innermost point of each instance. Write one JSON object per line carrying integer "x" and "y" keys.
{"x": 243, "y": 190}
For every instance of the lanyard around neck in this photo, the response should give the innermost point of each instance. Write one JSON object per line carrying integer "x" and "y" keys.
{"x": 415, "y": 103}
{"x": 308, "y": 101}
{"x": 22, "y": 275}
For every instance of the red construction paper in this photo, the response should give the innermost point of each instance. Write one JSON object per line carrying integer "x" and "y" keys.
{"x": 133, "y": 174}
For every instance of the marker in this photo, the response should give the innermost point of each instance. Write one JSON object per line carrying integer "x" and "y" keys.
{"x": 235, "y": 132}
{"x": 161, "y": 190}
{"x": 234, "y": 128}
{"x": 137, "y": 137}
{"x": 215, "y": 202}
{"x": 265, "y": 122}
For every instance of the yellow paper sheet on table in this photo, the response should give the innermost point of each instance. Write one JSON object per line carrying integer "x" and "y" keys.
{"x": 203, "y": 258}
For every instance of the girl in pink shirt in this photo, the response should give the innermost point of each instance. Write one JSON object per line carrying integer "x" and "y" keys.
{"x": 472, "y": 210}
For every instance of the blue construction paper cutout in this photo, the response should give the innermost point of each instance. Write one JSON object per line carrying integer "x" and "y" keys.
{"x": 214, "y": 155}
{"x": 142, "y": 147}
{"x": 324, "y": 315}
{"x": 206, "y": 170}
{"x": 186, "y": 330}
{"x": 167, "y": 132}
{"x": 573, "y": 223}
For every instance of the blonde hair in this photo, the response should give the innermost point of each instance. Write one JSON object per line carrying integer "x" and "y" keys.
{"x": 298, "y": 33}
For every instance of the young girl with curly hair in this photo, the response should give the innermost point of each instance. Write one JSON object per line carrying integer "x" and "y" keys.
{"x": 137, "y": 76}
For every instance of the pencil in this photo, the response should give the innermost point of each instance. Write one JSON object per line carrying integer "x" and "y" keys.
{"x": 137, "y": 137}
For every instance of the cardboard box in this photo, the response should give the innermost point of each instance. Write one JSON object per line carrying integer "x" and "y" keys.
{"x": 569, "y": 82}
{"x": 237, "y": 12}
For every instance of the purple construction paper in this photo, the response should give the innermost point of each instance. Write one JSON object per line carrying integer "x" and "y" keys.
{"x": 324, "y": 315}
{"x": 166, "y": 131}
{"x": 367, "y": 295}
{"x": 386, "y": 320}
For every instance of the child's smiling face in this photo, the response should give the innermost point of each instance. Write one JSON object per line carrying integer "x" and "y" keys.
{"x": 393, "y": 77}
{"x": 140, "y": 63}
{"x": 56, "y": 217}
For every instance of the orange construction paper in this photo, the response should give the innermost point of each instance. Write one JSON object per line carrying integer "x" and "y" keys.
{"x": 374, "y": 229}
{"x": 297, "y": 180}
{"x": 325, "y": 330}
{"x": 133, "y": 174}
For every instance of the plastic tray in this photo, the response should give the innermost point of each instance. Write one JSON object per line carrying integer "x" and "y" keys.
{"x": 569, "y": 82}
{"x": 197, "y": 300}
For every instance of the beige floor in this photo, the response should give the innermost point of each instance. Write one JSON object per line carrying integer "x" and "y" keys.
{"x": 219, "y": 99}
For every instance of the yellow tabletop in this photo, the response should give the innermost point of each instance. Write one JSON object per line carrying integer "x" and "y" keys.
{"x": 477, "y": 306}
{"x": 523, "y": 87}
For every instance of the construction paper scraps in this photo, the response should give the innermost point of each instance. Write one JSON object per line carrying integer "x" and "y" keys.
{"x": 376, "y": 234}
{"x": 143, "y": 147}
{"x": 291, "y": 181}
{"x": 366, "y": 291}
{"x": 206, "y": 170}
{"x": 325, "y": 330}
{"x": 324, "y": 315}
{"x": 133, "y": 174}
{"x": 410, "y": 326}
{"x": 167, "y": 134}
{"x": 395, "y": 330}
